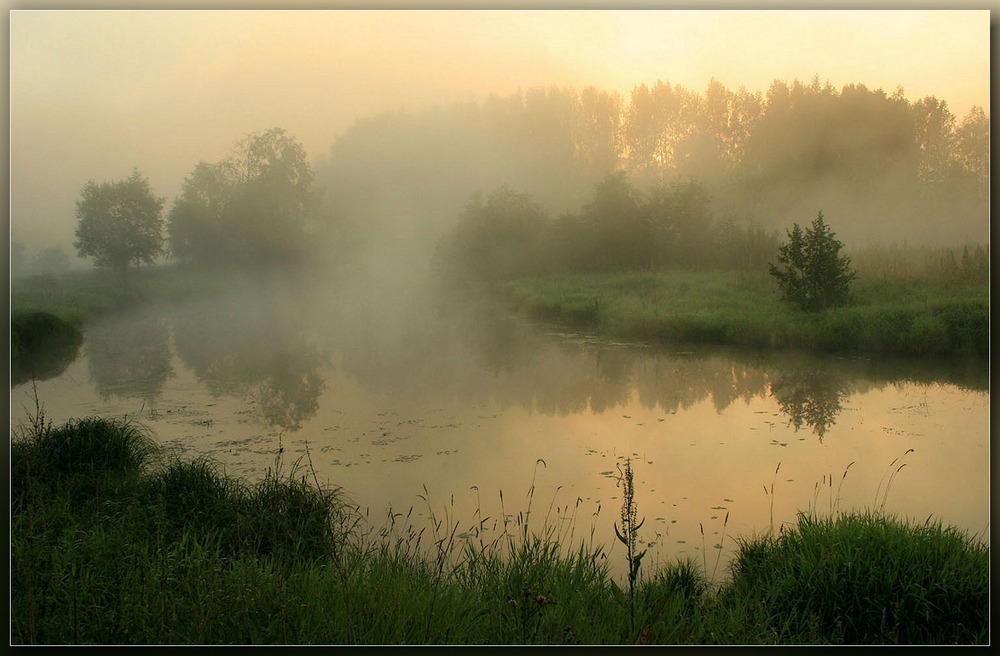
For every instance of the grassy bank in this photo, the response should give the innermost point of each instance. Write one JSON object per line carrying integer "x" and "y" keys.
{"x": 115, "y": 541}
{"x": 48, "y": 311}
{"x": 912, "y": 317}
{"x": 76, "y": 296}
{"x": 41, "y": 345}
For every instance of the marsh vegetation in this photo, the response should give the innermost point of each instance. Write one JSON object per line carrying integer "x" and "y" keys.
{"x": 115, "y": 540}
{"x": 586, "y": 300}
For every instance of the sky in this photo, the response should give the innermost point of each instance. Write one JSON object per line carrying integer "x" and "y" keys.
{"x": 97, "y": 93}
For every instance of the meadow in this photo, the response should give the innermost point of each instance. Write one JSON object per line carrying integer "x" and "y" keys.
{"x": 904, "y": 301}
{"x": 117, "y": 541}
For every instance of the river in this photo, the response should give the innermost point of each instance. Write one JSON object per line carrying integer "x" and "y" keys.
{"x": 478, "y": 415}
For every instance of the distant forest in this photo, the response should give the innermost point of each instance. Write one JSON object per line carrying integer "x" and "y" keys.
{"x": 882, "y": 168}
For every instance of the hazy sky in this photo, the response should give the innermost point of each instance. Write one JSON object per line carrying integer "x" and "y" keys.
{"x": 95, "y": 93}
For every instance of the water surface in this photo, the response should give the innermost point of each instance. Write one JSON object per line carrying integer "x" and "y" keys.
{"x": 476, "y": 414}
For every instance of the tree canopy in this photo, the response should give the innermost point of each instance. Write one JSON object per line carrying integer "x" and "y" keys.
{"x": 252, "y": 208}
{"x": 120, "y": 223}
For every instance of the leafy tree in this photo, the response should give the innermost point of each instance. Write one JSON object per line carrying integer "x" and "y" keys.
{"x": 811, "y": 272}
{"x": 682, "y": 221}
{"x": 617, "y": 219}
{"x": 119, "y": 223}
{"x": 497, "y": 238}
{"x": 252, "y": 208}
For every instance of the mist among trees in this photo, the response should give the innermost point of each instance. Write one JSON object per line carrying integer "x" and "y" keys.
{"x": 555, "y": 180}
{"x": 882, "y": 168}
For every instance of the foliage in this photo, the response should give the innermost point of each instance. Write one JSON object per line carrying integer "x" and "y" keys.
{"x": 865, "y": 578}
{"x": 111, "y": 543}
{"x": 811, "y": 272}
{"x": 764, "y": 156}
{"x": 616, "y": 218}
{"x": 119, "y": 223}
{"x": 251, "y": 209}
{"x": 618, "y": 229}
{"x": 929, "y": 314}
{"x": 41, "y": 345}
{"x": 77, "y": 296}
{"x": 496, "y": 239}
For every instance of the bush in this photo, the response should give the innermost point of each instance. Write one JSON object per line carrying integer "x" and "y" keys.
{"x": 812, "y": 274}
{"x": 867, "y": 578}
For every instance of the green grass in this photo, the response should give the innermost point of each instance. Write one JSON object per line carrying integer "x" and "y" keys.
{"x": 114, "y": 541}
{"x": 866, "y": 579}
{"x": 916, "y": 316}
{"x": 76, "y": 296}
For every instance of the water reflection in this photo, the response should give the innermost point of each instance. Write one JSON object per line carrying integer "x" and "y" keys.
{"x": 812, "y": 398}
{"x": 45, "y": 361}
{"x": 276, "y": 355}
{"x": 253, "y": 352}
{"x": 388, "y": 405}
{"x": 129, "y": 356}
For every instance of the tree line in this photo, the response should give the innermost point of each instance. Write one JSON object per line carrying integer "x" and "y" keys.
{"x": 888, "y": 168}
{"x": 508, "y": 234}
{"x": 672, "y": 177}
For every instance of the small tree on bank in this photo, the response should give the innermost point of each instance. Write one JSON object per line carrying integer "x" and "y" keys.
{"x": 119, "y": 223}
{"x": 811, "y": 272}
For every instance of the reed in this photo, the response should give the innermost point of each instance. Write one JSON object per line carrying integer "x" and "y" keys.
{"x": 125, "y": 545}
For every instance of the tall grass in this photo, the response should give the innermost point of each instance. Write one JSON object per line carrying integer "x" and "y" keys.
{"x": 116, "y": 542}
{"x": 867, "y": 578}
{"x": 905, "y": 315}
{"x": 80, "y": 295}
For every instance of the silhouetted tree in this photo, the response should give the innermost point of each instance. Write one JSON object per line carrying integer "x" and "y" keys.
{"x": 811, "y": 272}
{"x": 252, "y": 208}
{"x": 616, "y": 215}
{"x": 682, "y": 221}
{"x": 498, "y": 238}
{"x": 119, "y": 223}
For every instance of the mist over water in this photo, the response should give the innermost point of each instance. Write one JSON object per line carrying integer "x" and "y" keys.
{"x": 364, "y": 329}
{"x": 415, "y": 387}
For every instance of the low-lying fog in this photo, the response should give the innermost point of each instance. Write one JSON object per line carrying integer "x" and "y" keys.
{"x": 473, "y": 403}
{"x": 365, "y": 323}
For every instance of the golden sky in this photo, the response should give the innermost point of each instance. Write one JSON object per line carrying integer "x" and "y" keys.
{"x": 95, "y": 93}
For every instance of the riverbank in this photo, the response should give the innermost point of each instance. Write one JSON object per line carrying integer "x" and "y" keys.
{"x": 910, "y": 317}
{"x": 48, "y": 312}
{"x": 78, "y": 296}
{"x": 115, "y": 541}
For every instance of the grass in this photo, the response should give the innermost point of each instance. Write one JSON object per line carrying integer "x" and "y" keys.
{"x": 77, "y": 296}
{"x": 48, "y": 311}
{"x": 114, "y": 541}
{"x": 866, "y": 578}
{"x": 912, "y": 316}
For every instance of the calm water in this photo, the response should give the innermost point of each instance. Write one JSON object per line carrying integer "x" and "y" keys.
{"x": 471, "y": 409}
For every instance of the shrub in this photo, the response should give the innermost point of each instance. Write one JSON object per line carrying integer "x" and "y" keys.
{"x": 812, "y": 274}
{"x": 866, "y": 578}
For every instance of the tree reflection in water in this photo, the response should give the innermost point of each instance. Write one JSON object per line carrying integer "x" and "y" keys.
{"x": 129, "y": 356}
{"x": 273, "y": 353}
{"x": 264, "y": 357}
{"x": 810, "y": 397}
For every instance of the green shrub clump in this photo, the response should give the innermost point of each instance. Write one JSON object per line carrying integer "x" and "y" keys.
{"x": 41, "y": 345}
{"x": 866, "y": 578}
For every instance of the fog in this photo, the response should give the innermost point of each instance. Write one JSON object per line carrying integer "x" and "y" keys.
{"x": 95, "y": 93}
